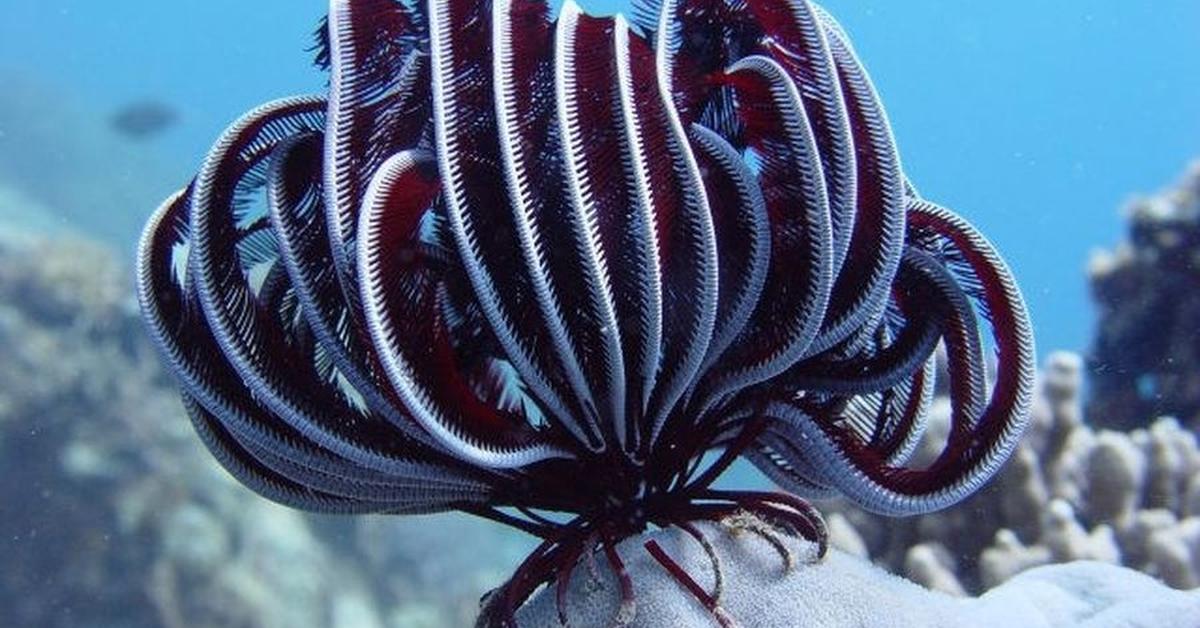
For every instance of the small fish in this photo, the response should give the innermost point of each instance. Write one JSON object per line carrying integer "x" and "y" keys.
{"x": 143, "y": 120}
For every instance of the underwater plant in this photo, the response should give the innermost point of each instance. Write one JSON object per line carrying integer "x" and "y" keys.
{"x": 562, "y": 272}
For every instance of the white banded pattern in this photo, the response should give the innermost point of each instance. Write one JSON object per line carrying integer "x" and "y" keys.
{"x": 516, "y": 260}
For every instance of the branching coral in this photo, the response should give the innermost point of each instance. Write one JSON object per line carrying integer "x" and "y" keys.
{"x": 1070, "y": 492}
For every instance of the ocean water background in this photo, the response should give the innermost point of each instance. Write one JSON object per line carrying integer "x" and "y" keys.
{"x": 1035, "y": 120}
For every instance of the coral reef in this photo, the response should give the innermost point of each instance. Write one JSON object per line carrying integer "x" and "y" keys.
{"x": 843, "y": 591}
{"x": 1146, "y": 354}
{"x": 113, "y": 510}
{"x": 1070, "y": 492}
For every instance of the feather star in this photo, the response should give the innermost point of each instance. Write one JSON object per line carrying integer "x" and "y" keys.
{"x": 535, "y": 268}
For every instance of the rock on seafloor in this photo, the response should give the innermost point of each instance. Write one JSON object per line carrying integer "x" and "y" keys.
{"x": 846, "y": 591}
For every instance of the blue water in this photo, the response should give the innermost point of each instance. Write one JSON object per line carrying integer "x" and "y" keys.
{"x": 1036, "y": 120}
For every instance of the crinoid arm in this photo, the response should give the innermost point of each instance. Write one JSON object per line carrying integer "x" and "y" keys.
{"x": 562, "y": 271}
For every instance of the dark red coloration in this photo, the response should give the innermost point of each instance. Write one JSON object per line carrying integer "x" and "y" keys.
{"x": 535, "y": 270}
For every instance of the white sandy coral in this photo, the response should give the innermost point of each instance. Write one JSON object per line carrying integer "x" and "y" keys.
{"x": 844, "y": 591}
{"x": 1069, "y": 492}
